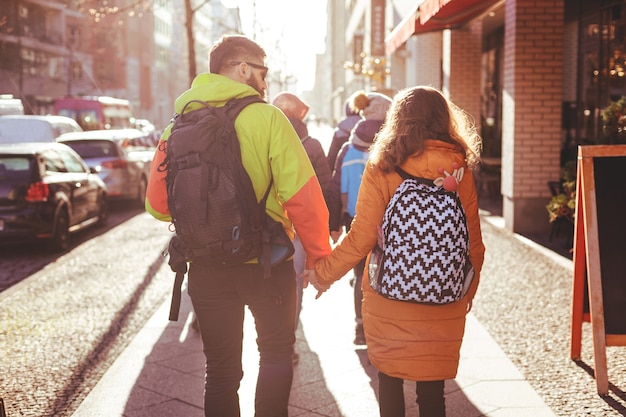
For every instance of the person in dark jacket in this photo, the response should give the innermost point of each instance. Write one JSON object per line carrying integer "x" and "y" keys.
{"x": 342, "y": 131}
{"x": 295, "y": 109}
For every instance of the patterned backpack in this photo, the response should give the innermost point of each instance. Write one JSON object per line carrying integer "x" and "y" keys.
{"x": 422, "y": 255}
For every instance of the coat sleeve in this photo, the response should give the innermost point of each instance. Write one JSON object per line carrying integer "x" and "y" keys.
{"x": 298, "y": 189}
{"x": 361, "y": 238}
{"x": 156, "y": 193}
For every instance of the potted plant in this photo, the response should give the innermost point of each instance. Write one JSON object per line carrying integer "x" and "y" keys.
{"x": 563, "y": 204}
{"x": 614, "y": 122}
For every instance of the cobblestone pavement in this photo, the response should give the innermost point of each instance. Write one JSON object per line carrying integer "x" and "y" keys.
{"x": 18, "y": 262}
{"x": 524, "y": 301}
{"x": 64, "y": 326}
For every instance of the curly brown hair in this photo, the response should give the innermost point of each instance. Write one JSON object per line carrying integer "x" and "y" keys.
{"x": 233, "y": 48}
{"x": 420, "y": 113}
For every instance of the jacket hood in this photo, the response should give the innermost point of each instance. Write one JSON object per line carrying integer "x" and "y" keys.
{"x": 215, "y": 89}
{"x": 347, "y": 124}
{"x": 364, "y": 132}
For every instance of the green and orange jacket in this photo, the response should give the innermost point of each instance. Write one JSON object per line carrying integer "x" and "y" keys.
{"x": 270, "y": 150}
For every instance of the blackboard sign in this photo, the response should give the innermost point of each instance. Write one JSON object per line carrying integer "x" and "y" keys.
{"x": 599, "y": 290}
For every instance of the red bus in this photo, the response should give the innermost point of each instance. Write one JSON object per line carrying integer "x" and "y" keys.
{"x": 96, "y": 112}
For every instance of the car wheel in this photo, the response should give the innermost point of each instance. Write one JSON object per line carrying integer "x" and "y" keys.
{"x": 61, "y": 232}
{"x": 103, "y": 215}
{"x": 141, "y": 192}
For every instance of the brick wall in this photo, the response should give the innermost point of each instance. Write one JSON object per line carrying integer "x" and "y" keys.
{"x": 532, "y": 101}
{"x": 428, "y": 63}
{"x": 465, "y": 68}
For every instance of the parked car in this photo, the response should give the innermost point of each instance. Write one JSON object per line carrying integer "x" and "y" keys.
{"x": 34, "y": 128}
{"x": 10, "y": 105}
{"x": 47, "y": 192}
{"x": 122, "y": 157}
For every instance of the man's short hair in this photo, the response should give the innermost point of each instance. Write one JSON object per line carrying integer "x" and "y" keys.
{"x": 233, "y": 48}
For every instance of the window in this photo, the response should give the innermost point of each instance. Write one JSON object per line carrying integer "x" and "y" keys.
{"x": 72, "y": 163}
{"x": 53, "y": 161}
{"x": 15, "y": 168}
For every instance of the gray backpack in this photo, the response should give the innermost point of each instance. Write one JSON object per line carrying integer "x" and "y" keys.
{"x": 211, "y": 198}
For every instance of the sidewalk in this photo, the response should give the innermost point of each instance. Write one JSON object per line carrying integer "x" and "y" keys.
{"x": 161, "y": 372}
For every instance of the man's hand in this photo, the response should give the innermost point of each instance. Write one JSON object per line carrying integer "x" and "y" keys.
{"x": 309, "y": 276}
{"x": 335, "y": 235}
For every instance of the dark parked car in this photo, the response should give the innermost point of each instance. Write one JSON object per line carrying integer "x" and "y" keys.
{"x": 122, "y": 157}
{"x": 47, "y": 192}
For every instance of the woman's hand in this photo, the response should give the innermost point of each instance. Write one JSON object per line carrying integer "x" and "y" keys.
{"x": 310, "y": 277}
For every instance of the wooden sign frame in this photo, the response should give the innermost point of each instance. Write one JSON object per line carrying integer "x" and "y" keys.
{"x": 587, "y": 265}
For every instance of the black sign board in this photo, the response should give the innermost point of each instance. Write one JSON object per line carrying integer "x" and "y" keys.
{"x": 599, "y": 290}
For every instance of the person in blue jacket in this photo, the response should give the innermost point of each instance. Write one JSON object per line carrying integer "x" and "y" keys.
{"x": 343, "y": 129}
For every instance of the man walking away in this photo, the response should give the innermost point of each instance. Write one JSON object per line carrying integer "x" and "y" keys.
{"x": 271, "y": 154}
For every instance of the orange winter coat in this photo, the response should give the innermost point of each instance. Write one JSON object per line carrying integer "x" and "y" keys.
{"x": 406, "y": 340}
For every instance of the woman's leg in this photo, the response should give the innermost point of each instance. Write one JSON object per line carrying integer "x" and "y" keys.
{"x": 390, "y": 396}
{"x": 430, "y": 398}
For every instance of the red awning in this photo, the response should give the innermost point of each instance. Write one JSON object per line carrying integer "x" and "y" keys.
{"x": 402, "y": 32}
{"x": 433, "y": 15}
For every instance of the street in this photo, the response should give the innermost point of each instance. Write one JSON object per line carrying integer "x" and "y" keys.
{"x": 64, "y": 324}
{"x": 65, "y": 319}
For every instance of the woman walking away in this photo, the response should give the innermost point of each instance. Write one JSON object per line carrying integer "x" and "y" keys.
{"x": 426, "y": 136}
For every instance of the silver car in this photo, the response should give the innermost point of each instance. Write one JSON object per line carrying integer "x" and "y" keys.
{"x": 122, "y": 158}
{"x": 35, "y": 128}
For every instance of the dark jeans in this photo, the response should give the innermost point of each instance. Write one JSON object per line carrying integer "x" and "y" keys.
{"x": 430, "y": 397}
{"x": 219, "y": 297}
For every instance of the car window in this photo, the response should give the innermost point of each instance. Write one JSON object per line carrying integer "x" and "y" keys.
{"x": 15, "y": 168}
{"x": 141, "y": 143}
{"x": 93, "y": 148}
{"x": 53, "y": 161}
{"x": 60, "y": 128}
{"x": 25, "y": 130}
{"x": 72, "y": 163}
{"x": 87, "y": 119}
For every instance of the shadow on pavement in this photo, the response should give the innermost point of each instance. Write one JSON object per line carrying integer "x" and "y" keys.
{"x": 614, "y": 391}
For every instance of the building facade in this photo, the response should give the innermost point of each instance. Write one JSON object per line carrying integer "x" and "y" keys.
{"x": 535, "y": 75}
{"x": 136, "y": 50}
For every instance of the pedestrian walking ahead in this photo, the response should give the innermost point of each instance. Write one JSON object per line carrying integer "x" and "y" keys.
{"x": 372, "y": 107}
{"x": 295, "y": 109}
{"x": 343, "y": 129}
{"x": 426, "y": 136}
{"x": 271, "y": 154}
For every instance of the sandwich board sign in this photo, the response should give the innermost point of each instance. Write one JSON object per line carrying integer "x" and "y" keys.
{"x": 599, "y": 284}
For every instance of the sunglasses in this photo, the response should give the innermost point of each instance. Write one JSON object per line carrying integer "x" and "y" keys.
{"x": 253, "y": 65}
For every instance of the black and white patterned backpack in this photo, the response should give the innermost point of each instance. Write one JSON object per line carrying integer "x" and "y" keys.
{"x": 422, "y": 255}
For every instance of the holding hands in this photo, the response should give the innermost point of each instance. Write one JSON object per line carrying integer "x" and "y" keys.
{"x": 310, "y": 277}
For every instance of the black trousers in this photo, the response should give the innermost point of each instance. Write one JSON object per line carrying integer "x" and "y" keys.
{"x": 219, "y": 297}
{"x": 430, "y": 397}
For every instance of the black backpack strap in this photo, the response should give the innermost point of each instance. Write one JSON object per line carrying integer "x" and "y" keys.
{"x": 176, "y": 296}
{"x": 235, "y": 105}
{"x": 266, "y": 254}
{"x": 405, "y": 176}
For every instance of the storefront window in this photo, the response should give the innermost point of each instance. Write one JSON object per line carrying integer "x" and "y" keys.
{"x": 602, "y": 61}
{"x": 491, "y": 93}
